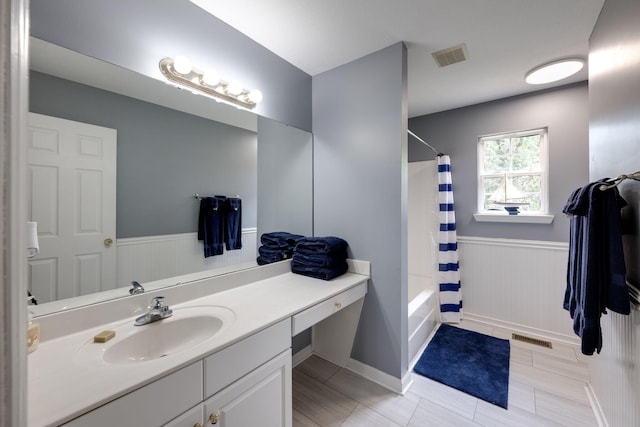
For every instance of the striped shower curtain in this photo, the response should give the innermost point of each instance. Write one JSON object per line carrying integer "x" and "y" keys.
{"x": 448, "y": 274}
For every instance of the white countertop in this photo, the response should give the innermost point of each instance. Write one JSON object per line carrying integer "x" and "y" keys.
{"x": 61, "y": 387}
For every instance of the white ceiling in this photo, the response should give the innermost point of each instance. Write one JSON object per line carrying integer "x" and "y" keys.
{"x": 504, "y": 39}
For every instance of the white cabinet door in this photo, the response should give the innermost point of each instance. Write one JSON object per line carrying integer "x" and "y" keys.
{"x": 72, "y": 197}
{"x": 261, "y": 398}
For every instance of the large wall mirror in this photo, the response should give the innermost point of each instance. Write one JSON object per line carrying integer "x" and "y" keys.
{"x": 169, "y": 145}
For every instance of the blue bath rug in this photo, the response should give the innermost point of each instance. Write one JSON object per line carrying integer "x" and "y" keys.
{"x": 474, "y": 363}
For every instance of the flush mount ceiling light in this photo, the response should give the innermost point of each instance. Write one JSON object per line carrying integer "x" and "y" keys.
{"x": 554, "y": 71}
{"x": 180, "y": 71}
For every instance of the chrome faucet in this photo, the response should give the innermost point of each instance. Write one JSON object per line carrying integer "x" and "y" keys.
{"x": 157, "y": 311}
{"x": 136, "y": 288}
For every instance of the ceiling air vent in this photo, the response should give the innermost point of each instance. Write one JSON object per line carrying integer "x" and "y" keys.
{"x": 451, "y": 55}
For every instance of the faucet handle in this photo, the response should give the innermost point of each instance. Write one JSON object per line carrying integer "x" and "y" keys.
{"x": 136, "y": 288}
{"x": 157, "y": 302}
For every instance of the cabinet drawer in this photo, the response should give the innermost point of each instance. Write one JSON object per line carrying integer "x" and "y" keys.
{"x": 309, "y": 317}
{"x": 226, "y": 366}
{"x": 151, "y": 405}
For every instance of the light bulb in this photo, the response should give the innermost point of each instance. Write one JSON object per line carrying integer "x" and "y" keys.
{"x": 182, "y": 65}
{"x": 211, "y": 78}
{"x": 255, "y": 96}
{"x": 234, "y": 88}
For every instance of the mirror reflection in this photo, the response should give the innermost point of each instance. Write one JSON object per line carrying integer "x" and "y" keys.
{"x": 162, "y": 145}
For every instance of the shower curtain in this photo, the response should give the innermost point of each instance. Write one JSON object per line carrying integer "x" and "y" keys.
{"x": 448, "y": 273}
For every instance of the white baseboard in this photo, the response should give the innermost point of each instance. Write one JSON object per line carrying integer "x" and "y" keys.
{"x": 396, "y": 385}
{"x": 595, "y": 406}
{"x": 534, "y": 332}
{"x": 301, "y": 355}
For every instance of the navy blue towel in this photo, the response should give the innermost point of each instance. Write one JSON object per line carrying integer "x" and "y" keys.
{"x": 233, "y": 223}
{"x": 264, "y": 260}
{"x": 275, "y": 253}
{"x": 280, "y": 239}
{"x": 324, "y": 273}
{"x": 330, "y": 260}
{"x": 211, "y": 225}
{"x": 596, "y": 269}
{"x": 321, "y": 245}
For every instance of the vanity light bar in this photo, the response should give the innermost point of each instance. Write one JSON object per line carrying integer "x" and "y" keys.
{"x": 230, "y": 92}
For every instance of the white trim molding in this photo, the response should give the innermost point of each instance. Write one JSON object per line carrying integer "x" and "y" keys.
{"x": 520, "y": 218}
{"x": 513, "y": 243}
{"x": 595, "y": 406}
{"x": 14, "y": 101}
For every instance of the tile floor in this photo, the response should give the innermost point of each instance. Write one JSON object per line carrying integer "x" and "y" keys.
{"x": 546, "y": 388}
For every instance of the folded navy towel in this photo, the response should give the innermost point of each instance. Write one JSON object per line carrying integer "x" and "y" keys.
{"x": 280, "y": 239}
{"x": 324, "y": 273}
{"x": 275, "y": 252}
{"x": 263, "y": 260}
{"x": 328, "y": 260}
{"x": 321, "y": 245}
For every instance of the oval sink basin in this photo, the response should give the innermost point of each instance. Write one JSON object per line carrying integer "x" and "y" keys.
{"x": 187, "y": 328}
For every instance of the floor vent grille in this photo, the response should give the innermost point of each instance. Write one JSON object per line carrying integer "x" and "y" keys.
{"x": 535, "y": 341}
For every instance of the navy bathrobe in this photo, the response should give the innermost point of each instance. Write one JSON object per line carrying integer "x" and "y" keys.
{"x": 596, "y": 270}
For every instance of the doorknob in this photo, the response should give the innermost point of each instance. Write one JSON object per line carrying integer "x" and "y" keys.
{"x": 108, "y": 242}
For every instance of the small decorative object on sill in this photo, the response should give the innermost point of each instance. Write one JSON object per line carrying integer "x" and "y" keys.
{"x": 509, "y": 197}
{"x": 513, "y": 210}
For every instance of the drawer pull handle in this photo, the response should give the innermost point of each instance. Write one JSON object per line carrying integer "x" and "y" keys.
{"x": 338, "y": 305}
{"x": 197, "y": 425}
{"x": 214, "y": 418}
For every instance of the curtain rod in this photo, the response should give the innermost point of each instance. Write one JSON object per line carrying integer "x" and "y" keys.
{"x": 437, "y": 153}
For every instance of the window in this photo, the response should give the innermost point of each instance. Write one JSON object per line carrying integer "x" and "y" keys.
{"x": 512, "y": 172}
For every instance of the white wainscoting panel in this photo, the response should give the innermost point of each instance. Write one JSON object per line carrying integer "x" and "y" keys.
{"x": 615, "y": 372}
{"x": 156, "y": 257}
{"x": 516, "y": 283}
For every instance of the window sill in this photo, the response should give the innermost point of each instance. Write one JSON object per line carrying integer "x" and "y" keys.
{"x": 520, "y": 218}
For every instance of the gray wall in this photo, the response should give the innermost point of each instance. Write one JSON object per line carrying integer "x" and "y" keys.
{"x": 360, "y": 190}
{"x": 285, "y": 184}
{"x": 138, "y": 34}
{"x": 614, "y": 144}
{"x": 164, "y": 156}
{"x": 564, "y": 111}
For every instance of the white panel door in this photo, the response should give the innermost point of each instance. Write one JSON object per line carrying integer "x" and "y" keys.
{"x": 72, "y": 197}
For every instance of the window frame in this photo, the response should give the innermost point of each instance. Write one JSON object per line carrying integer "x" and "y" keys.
{"x": 543, "y": 173}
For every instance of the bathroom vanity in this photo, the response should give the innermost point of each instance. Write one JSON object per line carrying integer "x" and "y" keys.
{"x": 223, "y": 358}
